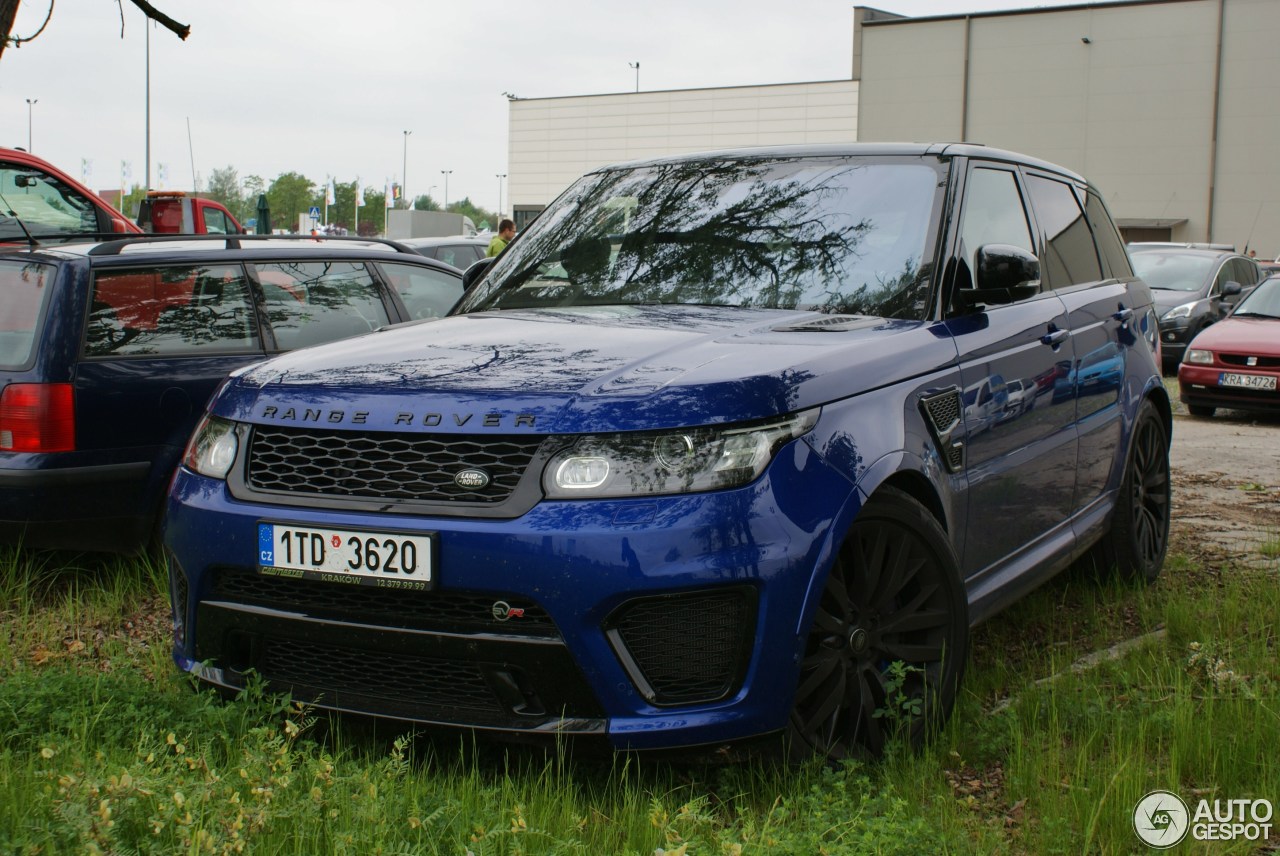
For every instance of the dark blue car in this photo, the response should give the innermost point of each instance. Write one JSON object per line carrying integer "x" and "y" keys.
{"x": 692, "y": 462}
{"x": 109, "y": 352}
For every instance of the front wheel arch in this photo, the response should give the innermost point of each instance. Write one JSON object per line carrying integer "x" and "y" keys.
{"x": 886, "y": 648}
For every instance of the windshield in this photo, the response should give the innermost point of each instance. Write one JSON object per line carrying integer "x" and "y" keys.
{"x": 47, "y": 206}
{"x": 1173, "y": 271}
{"x": 1263, "y": 301}
{"x": 837, "y": 235}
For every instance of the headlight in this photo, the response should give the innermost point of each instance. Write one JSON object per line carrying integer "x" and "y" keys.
{"x": 686, "y": 461}
{"x": 212, "y": 449}
{"x": 1183, "y": 311}
{"x": 1198, "y": 356}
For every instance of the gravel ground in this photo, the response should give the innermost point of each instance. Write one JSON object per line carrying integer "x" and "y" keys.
{"x": 1226, "y": 487}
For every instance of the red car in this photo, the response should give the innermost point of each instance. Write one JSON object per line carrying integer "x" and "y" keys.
{"x": 41, "y": 203}
{"x": 1236, "y": 362}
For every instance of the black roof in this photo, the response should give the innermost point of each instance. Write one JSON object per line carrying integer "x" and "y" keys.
{"x": 933, "y": 150}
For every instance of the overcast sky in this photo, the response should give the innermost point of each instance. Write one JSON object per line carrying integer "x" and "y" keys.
{"x": 328, "y": 87}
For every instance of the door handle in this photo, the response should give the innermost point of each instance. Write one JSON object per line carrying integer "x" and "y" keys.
{"x": 1123, "y": 314}
{"x": 1054, "y": 338}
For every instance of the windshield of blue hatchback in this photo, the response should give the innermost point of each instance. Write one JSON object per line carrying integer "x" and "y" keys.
{"x": 836, "y": 235}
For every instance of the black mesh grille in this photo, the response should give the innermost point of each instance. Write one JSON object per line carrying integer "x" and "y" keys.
{"x": 384, "y": 465}
{"x": 419, "y": 681}
{"x": 943, "y": 413}
{"x": 1243, "y": 360}
{"x": 688, "y": 648}
{"x": 439, "y": 610}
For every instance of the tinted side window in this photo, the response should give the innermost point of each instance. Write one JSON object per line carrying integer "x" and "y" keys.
{"x": 458, "y": 255}
{"x": 1244, "y": 272}
{"x": 215, "y": 222}
{"x": 426, "y": 293}
{"x": 1070, "y": 257}
{"x": 993, "y": 213}
{"x": 25, "y": 288}
{"x": 1107, "y": 237}
{"x": 308, "y": 303}
{"x": 170, "y": 311}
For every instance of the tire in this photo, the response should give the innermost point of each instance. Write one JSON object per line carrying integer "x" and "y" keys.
{"x": 1139, "y": 535}
{"x": 893, "y": 595}
{"x": 1203, "y": 411}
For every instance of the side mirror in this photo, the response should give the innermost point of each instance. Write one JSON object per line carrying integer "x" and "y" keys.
{"x": 474, "y": 273}
{"x": 1005, "y": 274}
{"x": 1231, "y": 289}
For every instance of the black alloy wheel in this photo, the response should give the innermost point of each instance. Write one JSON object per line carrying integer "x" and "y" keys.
{"x": 1139, "y": 534}
{"x": 889, "y": 640}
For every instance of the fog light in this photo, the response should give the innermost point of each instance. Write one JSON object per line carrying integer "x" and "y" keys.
{"x": 582, "y": 473}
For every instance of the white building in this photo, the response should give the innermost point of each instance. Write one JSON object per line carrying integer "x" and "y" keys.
{"x": 1169, "y": 106}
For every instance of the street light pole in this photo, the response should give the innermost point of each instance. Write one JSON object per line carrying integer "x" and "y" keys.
{"x": 500, "y": 176}
{"x": 445, "y": 173}
{"x": 31, "y": 102}
{"x": 404, "y": 171}
{"x": 636, "y": 66}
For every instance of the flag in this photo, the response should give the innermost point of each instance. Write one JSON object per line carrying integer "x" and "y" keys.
{"x": 330, "y": 196}
{"x": 162, "y": 174}
{"x": 86, "y": 170}
{"x": 387, "y": 198}
{"x": 126, "y": 172}
{"x": 359, "y": 194}
{"x": 398, "y": 190}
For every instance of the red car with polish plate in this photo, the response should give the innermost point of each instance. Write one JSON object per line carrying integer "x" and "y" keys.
{"x": 1236, "y": 362}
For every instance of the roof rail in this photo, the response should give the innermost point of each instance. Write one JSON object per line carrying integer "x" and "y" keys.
{"x": 1187, "y": 245}
{"x": 235, "y": 242}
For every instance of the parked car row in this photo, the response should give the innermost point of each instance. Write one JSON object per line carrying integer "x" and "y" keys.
{"x": 663, "y": 474}
{"x": 1236, "y": 363}
{"x": 1193, "y": 287}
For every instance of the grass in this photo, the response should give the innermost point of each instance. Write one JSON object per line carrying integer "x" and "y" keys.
{"x": 105, "y": 748}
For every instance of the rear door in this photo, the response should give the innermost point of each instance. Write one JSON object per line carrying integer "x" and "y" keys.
{"x": 1020, "y": 461}
{"x": 157, "y": 342}
{"x": 1102, "y": 320}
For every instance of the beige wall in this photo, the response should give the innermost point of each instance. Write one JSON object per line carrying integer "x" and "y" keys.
{"x": 1133, "y": 109}
{"x": 555, "y": 140}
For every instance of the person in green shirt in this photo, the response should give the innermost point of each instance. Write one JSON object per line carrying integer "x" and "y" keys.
{"x": 506, "y": 231}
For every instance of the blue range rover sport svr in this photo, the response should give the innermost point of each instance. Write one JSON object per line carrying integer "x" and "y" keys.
{"x": 720, "y": 445}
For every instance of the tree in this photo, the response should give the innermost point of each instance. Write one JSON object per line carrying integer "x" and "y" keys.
{"x": 479, "y": 216}
{"x": 426, "y": 203}
{"x": 254, "y": 187}
{"x": 224, "y": 186}
{"x": 289, "y": 195}
{"x": 9, "y": 10}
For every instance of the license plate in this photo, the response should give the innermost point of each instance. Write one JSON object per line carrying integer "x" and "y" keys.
{"x": 1247, "y": 381}
{"x": 383, "y": 559}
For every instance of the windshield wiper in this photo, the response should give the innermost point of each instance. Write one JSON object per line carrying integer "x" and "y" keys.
{"x": 1255, "y": 315}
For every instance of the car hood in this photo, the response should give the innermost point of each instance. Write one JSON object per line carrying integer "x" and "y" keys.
{"x": 585, "y": 369}
{"x": 1253, "y": 336}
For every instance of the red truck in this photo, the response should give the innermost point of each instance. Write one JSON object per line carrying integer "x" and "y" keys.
{"x": 174, "y": 212}
{"x": 39, "y": 202}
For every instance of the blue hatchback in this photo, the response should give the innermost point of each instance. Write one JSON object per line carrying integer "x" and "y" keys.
{"x": 695, "y": 461}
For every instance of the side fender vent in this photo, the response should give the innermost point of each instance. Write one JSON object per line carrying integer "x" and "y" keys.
{"x": 942, "y": 413}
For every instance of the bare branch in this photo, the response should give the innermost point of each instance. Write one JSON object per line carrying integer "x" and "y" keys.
{"x": 8, "y": 10}
{"x": 180, "y": 30}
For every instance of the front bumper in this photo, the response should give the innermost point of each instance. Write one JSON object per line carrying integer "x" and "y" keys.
{"x": 1199, "y": 386}
{"x": 657, "y": 622}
